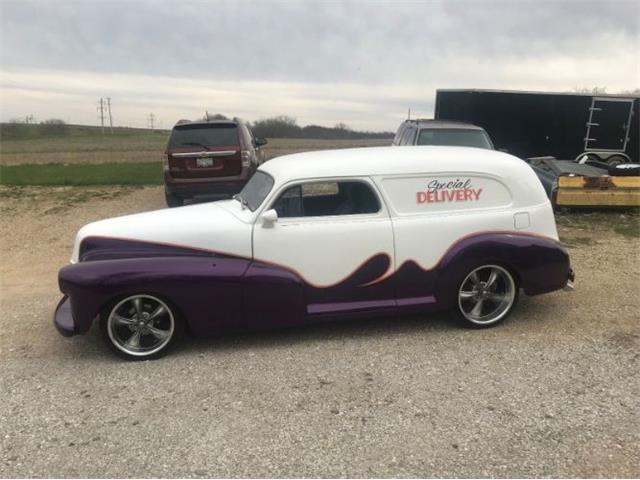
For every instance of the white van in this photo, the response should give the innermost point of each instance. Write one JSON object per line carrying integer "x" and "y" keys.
{"x": 322, "y": 235}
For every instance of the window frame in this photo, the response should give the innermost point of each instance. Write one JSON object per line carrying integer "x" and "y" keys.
{"x": 383, "y": 211}
{"x": 409, "y": 136}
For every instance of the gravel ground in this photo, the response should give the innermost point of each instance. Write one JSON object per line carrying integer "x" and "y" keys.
{"x": 554, "y": 391}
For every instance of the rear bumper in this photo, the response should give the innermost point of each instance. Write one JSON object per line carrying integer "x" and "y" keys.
{"x": 63, "y": 318}
{"x": 210, "y": 186}
{"x": 569, "y": 287}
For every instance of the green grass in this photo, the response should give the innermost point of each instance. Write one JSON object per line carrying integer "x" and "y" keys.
{"x": 145, "y": 173}
{"x": 80, "y": 137}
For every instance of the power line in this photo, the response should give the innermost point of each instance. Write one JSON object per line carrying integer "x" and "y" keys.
{"x": 110, "y": 118}
{"x": 150, "y": 120}
{"x": 101, "y": 112}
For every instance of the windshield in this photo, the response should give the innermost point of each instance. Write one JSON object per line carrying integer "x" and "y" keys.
{"x": 256, "y": 190}
{"x": 455, "y": 137}
{"x": 209, "y": 135}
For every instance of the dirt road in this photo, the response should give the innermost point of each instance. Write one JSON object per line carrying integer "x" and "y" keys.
{"x": 553, "y": 392}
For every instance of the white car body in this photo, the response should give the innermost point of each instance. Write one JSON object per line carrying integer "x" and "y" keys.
{"x": 324, "y": 250}
{"x": 428, "y": 217}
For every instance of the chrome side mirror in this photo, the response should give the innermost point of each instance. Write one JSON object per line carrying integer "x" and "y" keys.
{"x": 269, "y": 218}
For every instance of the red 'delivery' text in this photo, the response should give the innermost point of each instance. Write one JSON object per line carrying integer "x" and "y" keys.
{"x": 466, "y": 195}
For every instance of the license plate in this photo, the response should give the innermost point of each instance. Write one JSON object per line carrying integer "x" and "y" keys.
{"x": 204, "y": 162}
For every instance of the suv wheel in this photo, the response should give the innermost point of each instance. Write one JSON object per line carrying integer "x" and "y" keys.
{"x": 173, "y": 200}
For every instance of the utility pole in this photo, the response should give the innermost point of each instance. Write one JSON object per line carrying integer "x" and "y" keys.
{"x": 110, "y": 118}
{"x": 409, "y": 114}
{"x": 150, "y": 119}
{"x": 101, "y": 112}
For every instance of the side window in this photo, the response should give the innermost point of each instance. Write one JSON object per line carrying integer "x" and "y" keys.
{"x": 320, "y": 199}
{"x": 289, "y": 204}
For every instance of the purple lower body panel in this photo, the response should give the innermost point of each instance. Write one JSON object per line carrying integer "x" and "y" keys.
{"x": 220, "y": 293}
{"x": 63, "y": 319}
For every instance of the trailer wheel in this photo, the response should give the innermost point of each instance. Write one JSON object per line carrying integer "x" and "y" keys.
{"x": 614, "y": 160}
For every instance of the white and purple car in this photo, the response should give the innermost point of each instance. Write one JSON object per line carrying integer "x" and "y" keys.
{"x": 321, "y": 236}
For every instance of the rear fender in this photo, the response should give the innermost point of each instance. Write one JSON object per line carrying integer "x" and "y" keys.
{"x": 539, "y": 264}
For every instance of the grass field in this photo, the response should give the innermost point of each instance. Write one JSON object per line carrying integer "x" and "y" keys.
{"x": 132, "y": 173}
{"x": 86, "y": 156}
{"x": 87, "y": 145}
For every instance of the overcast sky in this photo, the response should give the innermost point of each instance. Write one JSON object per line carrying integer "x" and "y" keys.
{"x": 323, "y": 62}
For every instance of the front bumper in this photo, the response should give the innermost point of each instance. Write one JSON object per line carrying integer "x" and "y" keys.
{"x": 63, "y": 318}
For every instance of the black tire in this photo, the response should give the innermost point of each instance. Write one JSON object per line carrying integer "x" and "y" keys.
{"x": 497, "y": 297}
{"x": 173, "y": 200}
{"x": 119, "y": 319}
{"x": 615, "y": 160}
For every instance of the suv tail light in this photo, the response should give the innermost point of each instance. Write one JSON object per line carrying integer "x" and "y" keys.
{"x": 245, "y": 155}
{"x": 165, "y": 162}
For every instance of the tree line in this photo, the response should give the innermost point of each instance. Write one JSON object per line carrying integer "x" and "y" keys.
{"x": 281, "y": 126}
{"x": 284, "y": 126}
{"x": 18, "y": 128}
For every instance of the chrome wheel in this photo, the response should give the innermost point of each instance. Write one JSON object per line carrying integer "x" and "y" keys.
{"x": 140, "y": 325}
{"x": 486, "y": 295}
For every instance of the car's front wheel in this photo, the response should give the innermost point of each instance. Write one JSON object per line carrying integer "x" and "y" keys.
{"x": 486, "y": 296}
{"x": 140, "y": 327}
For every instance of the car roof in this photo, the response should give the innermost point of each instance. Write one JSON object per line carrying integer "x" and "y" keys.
{"x": 448, "y": 124}
{"x": 389, "y": 161}
{"x": 183, "y": 123}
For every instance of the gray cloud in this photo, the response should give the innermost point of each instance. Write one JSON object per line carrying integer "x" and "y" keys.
{"x": 310, "y": 41}
{"x": 398, "y": 50}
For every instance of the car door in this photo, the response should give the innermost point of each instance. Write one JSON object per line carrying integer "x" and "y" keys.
{"x": 335, "y": 236}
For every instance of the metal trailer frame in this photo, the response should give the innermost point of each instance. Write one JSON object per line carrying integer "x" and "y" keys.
{"x": 570, "y": 184}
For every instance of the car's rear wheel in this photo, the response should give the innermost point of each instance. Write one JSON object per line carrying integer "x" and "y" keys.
{"x": 486, "y": 296}
{"x": 140, "y": 326}
{"x": 173, "y": 200}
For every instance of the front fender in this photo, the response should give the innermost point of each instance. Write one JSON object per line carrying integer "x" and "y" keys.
{"x": 206, "y": 290}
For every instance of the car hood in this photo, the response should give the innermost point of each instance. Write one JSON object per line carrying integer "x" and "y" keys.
{"x": 207, "y": 226}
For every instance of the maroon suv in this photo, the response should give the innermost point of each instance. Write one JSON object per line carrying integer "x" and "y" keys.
{"x": 209, "y": 159}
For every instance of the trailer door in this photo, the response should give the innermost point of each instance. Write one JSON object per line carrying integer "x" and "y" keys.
{"x": 608, "y": 125}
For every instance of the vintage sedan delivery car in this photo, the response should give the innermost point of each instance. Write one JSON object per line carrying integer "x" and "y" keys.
{"x": 318, "y": 236}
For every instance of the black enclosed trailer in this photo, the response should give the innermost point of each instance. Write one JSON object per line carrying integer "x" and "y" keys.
{"x": 562, "y": 125}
